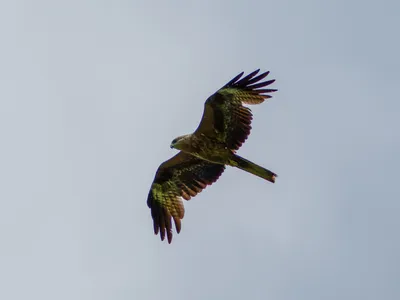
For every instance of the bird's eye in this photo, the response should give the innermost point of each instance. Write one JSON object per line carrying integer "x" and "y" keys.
{"x": 174, "y": 141}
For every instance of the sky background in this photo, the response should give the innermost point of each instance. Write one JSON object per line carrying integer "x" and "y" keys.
{"x": 93, "y": 92}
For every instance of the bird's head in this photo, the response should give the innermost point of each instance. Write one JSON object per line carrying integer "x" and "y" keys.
{"x": 178, "y": 142}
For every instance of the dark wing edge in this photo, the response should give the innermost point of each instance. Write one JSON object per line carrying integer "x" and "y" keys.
{"x": 252, "y": 86}
{"x": 182, "y": 176}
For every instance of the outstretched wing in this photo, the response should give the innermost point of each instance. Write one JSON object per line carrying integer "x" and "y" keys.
{"x": 181, "y": 176}
{"x": 225, "y": 118}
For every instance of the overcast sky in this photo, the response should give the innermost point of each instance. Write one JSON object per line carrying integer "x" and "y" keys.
{"x": 93, "y": 92}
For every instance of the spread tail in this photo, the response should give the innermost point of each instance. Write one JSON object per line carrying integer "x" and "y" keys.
{"x": 252, "y": 168}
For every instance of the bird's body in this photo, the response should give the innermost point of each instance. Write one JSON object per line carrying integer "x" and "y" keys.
{"x": 213, "y": 151}
{"x": 205, "y": 148}
{"x": 203, "y": 155}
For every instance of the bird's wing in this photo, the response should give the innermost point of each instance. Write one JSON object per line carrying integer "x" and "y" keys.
{"x": 225, "y": 118}
{"x": 181, "y": 176}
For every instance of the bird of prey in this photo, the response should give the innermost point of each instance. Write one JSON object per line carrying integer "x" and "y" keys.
{"x": 203, "y": 155}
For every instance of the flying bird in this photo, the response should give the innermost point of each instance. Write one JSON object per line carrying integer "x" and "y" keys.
{"x": 203, "y": 155}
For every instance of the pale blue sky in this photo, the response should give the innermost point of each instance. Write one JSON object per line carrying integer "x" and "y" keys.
{"x": 92, "y": 94}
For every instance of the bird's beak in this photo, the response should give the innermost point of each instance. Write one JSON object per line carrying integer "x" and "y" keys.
{"x": 171, "y": 146}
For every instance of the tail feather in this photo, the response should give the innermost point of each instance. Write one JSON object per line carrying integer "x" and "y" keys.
{"x": 248, "y": 166}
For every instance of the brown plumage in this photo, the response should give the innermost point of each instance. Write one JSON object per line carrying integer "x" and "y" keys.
{"x": 224, "y": 127}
